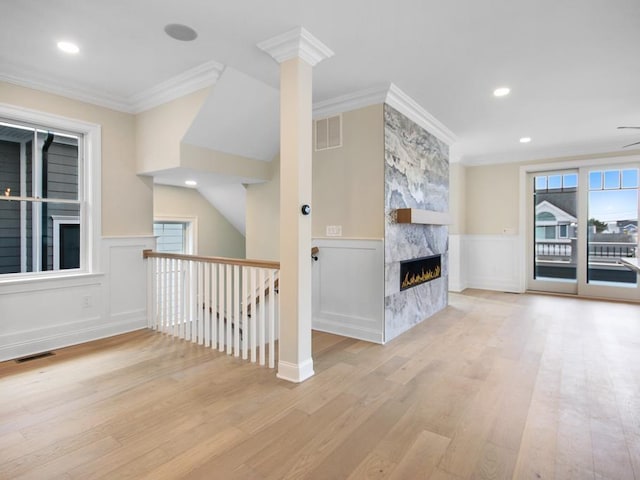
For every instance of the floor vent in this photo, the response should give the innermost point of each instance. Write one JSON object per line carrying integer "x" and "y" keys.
{"x": 34, "y": 357}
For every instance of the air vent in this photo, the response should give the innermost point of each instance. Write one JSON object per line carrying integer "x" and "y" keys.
{"x": 34, "y": 357}
{"x": 328, "y": 132}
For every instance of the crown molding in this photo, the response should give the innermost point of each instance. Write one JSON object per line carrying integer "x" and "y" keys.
{"x": 187, "y": 82}
{"x": 296, "y": 43}
{"x": 350, "y": 101}
{"x": 392, "y": 96}
{"x": 75, "y": 92}
{"x": 183, "y": 84}
{"x": 555, "y": 153}
{"x": 406, "y": 105}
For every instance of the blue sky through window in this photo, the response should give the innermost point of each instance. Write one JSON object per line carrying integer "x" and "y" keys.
{"x": 613, "y": 195}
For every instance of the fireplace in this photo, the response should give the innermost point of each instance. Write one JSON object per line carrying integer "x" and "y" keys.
{"x": 419, "y": 270}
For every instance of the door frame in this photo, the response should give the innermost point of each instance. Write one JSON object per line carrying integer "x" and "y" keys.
{"x": 547, "y": 285}
{"x": 525, "y": 230}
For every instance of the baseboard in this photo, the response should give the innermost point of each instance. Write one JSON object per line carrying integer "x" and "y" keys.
{"x": 295, "y": 373}
{"x": 345, "y": 330}
{"x": 457, "y": 287}
{"x": 37, "y": 344}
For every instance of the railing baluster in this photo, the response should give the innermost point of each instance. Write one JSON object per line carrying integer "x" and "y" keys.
{"x": 206, "y": 288}
{"x": 254, "y": 314}
{"x": 214, "y": 306}
{"x": 230, "y": 319}
{"x": 261, "y": 321}
{"x": 245, "y": 316}
{"x": 175, "y": 325}
{"x": 201, "y": 306}
{"x": 181, "y": 293}
{"x": 272, "y": 305}
{"x": 188, "y": 301}
{"x": 165, "y": 297}
{"x": 236, "y": 310}
{"x": 194, "y": 302}
{"x": 221, "y": 307}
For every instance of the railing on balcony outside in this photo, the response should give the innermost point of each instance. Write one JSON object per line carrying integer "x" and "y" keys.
{"x": 222, "y": 303}
{"x": 558, "y": 250}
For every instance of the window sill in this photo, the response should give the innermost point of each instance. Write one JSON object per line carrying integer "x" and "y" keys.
{"x": 44, "y": 282}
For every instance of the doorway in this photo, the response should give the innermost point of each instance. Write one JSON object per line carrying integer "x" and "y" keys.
{"x": 581, "y": 222}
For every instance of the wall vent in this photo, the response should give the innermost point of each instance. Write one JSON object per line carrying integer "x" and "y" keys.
{"x": 328, "y": 132}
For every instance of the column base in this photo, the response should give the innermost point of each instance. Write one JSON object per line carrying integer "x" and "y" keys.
{"x": 295, "y": 373}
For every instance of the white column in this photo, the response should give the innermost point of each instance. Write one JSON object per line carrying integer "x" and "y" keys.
{"x": 297, "y": 52}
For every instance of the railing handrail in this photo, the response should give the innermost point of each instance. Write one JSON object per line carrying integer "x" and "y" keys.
{"x": 633, "y": 244}
{"x": 221, "y": 260}
{"x": 566, "y": 241}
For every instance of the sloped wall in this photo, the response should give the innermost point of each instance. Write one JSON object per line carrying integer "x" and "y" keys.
{"x": 416, "y": 176}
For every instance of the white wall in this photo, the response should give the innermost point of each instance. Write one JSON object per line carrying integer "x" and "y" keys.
{"x": 263, "y": 217}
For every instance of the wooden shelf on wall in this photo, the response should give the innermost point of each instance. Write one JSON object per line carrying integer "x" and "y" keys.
{"x": 424, "y": 217}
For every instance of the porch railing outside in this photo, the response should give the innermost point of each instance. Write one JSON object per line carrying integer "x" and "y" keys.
{"x": 565, "y": 249}
{"x": 223, "y": 303}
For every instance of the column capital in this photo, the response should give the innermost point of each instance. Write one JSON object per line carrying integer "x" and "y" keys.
{"x": 296, "y": 43}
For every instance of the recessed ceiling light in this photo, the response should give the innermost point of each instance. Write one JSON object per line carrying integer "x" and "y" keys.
{"x": 191, "y": 183}
{"x": 525, "y": 139}
{"x": 180, "y": 32}
{"x": 68, "y": 47}
{"x": 501, "y": 92}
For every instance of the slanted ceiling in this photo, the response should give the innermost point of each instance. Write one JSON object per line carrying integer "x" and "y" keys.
{"x": 241, "y": 116}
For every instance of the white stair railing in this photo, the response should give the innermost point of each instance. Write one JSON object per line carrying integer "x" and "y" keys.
{"x": 222, "y": 303}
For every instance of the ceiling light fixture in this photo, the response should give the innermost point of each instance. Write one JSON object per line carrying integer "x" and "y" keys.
{"x": 180, "y": 32}
{"x": 501, "y": 91}
{"x": 525, "y": 139}
{"x": 191, "y": 183}
{"x": 68, "y": 47}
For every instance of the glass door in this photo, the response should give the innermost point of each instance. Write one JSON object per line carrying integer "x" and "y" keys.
{"x": 612, "y": 231}
{"x": 553, "y": 236}
{"x": 581, "y": 223}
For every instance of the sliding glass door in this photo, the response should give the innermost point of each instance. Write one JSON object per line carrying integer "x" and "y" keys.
{"x": 554, "y": 233}
{"x": 581, "y": 223}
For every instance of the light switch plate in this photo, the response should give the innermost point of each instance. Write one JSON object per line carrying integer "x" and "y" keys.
{"x": 334, "y": 230}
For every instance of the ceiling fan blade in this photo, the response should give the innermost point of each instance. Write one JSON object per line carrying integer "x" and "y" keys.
{"x": 636, "y": 128}
{"x": 631, "y": 144}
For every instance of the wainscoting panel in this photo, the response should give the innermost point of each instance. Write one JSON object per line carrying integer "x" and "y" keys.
{"x": 348, "y": 288}
{"x": 492, "y": 262}
{"x": 45, "y": 314}
{"x": 457, "y": 276}
{"x": 127, "y": 274}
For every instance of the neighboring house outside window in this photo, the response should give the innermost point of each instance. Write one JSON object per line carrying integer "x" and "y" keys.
{"x": 174, "y": 235}
{"x": 41, "y": 206}
{"x": 553, "y": 223}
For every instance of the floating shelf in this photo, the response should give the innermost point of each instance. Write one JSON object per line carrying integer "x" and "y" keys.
{"x": 423, "y": 217}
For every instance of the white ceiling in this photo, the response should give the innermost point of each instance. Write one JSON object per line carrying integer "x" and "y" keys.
{"x": 572, "y": 65}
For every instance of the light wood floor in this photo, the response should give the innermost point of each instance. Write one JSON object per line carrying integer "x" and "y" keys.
{"x": 495, "y": 386}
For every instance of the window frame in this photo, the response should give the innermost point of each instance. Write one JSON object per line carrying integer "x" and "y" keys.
{"x": 191, "y": 230}
{"x": 89, "y": 186}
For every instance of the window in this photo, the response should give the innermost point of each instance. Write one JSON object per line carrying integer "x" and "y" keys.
{"x": 546, "y": 217}
{"x": 564, "y": 231}
{"x": 39, "y": 171}
{"x": 49, "y": 194}
{"x": 174, "y": 236}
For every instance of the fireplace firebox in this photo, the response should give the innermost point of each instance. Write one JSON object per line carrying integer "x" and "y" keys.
{"x": 419, "y": 270}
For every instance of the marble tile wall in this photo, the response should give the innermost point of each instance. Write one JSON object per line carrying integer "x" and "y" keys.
{"x": 416, "y": 176}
